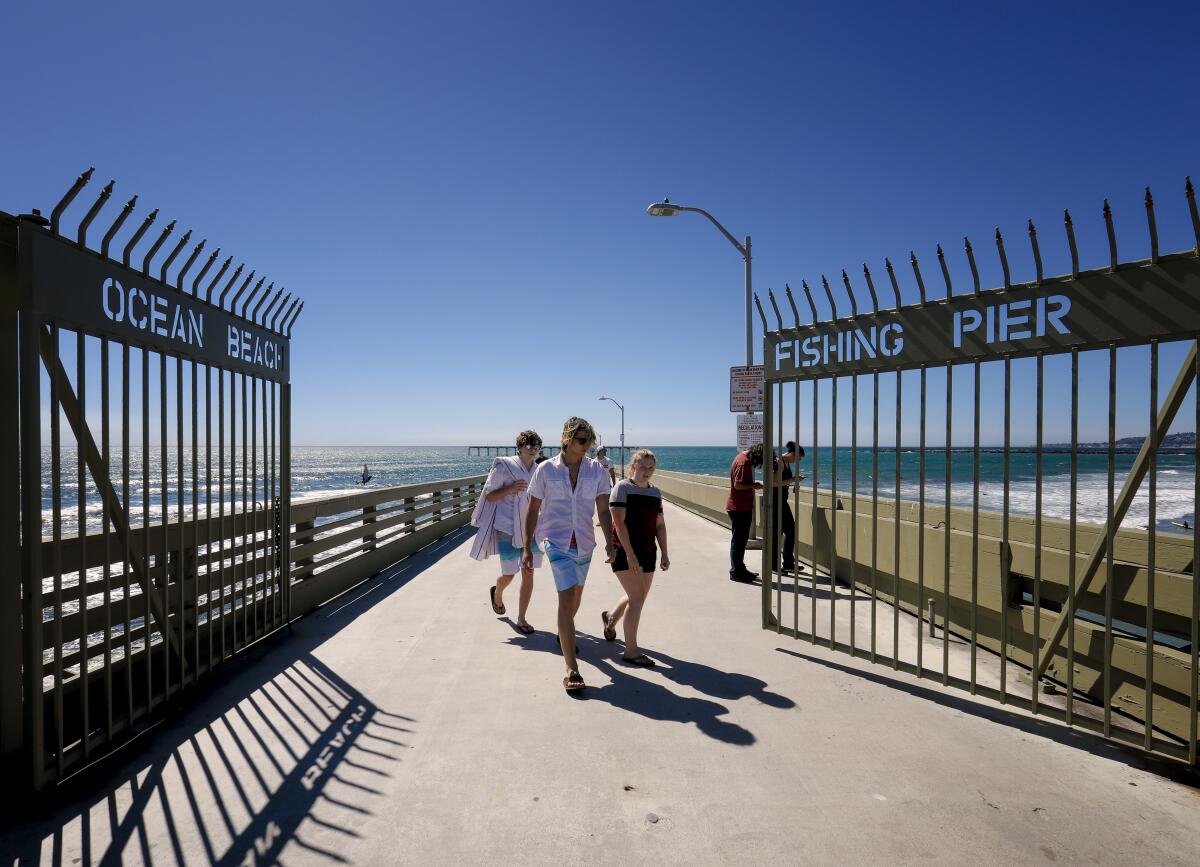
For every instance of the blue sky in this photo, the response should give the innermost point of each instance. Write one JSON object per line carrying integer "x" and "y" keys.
{"x": 458, "y": 190}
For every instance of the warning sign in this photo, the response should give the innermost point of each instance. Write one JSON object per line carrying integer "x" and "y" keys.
{"x": 749, "y": 430}
{"x": 746, "y": 388}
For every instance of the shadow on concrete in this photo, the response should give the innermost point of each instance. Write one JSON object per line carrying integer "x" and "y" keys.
{"x": 1057, "y": 732}
{"x": 243, "y": 763}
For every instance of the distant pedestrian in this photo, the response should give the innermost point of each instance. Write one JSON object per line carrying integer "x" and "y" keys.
{"x": 565, "y": 493}
{"x": 500, "y": 517}
{"x": 365, "y": 477}
{"x": 541, "y": 456}
{"x": 602, "y": 457}
{"x": 739, "y": 505}
{"x": 783, "y": 483}
{"x": 639, "y": 532}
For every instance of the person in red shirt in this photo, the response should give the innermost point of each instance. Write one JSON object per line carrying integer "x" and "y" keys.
{"x": 739, "y": 505}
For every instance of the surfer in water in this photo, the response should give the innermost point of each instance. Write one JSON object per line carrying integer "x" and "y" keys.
{"x": 366, "y": 476}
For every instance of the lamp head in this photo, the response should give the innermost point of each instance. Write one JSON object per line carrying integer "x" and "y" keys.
{"x": 663, "y": 209}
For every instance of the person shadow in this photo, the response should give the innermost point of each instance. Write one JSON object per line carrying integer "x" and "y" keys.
{"x": 727, "y": 685}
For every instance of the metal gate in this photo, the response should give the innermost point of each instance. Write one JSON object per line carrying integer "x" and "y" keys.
{"x": 1031, "y": 593}
{"x": 145, "y": 477}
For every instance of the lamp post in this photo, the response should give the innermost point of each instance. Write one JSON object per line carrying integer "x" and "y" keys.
{"x": 622, "y": 409}
{"x": 666, "y": 208}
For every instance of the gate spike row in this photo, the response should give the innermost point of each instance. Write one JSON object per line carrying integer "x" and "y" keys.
{"x": 792, "y": 301}
{"x": 191, "y": 260}
{"x": 93, "y": 211}
{"x": 775, "y": 307}
{"x": 1191, "y": 197}
{"x": 1153, "y": 226}
{"x": 829, "y": 295}
{"x": 945, "y": 272}
{"x": 284, "y": 319}
{"x": 116, "y": 226}
{"x": 137, "y": 236}
{"x": 258, "y": 306}
{"x": 871, "y": 289}
{"x": 80, "y": 183}
{"x": 892, "y": 276}
{"x": 233, "y": 302}
{"x": 811, "y": 306}
{"x": 1112, "y": 237}
{"x": 217, "y": 279}
{"x": 249, "y": 297}
{"x": 917, "y": 270}
{"x": 237, "y": 273}
{"x": 208, "y": 263}
{"x": 1071, "y": 242}
{"x": 1037, "y": 253}
{"x": 162, "y": 274}
{"x": 292, "y": 321}
{"x": 166, "y": 232}
{"x": 275, "y": 318}
{"x": 850, "y": 292}
{"x": 971, "y": 259}
{"x": 761, "y": 316}
{"x": 1003, "y": 258}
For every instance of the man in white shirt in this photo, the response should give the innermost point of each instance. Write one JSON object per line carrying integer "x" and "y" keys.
{"x": 566, "y": 492}
{"x": 602, "y": 458}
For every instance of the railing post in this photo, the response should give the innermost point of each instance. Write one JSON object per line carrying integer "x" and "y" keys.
{"x": 302, "y": 528}
{"x": 369, "y": 518}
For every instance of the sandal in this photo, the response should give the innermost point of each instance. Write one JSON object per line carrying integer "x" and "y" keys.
{"x": 498, "y": 609}
{"x": 573, "y": 682}
{"x": 641, "y": 661}
{"x": 610, "y": 631}
{"x": 525, "y": 629}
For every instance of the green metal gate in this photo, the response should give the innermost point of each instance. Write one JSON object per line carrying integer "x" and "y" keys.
{"x": 154, "y": 411}
{"x": 1087, "y": 622}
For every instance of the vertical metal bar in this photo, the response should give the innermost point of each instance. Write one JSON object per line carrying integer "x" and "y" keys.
{"x": 874, "y": 505}
{"x": 921, "y": 531}
{"x": 181, "y": 567}
{"x": 796, "y": 519}
{"x": 1153, "y": 520}
{"x": 81, "y": 512}
{"x": 194, "y": 548}
{"x": 165, "y": 562}
{"x": 1110, "y": 533}
{"x": 833, "y": 510}
{"x": 126, "y": 565}
{"x": 896, "y": 536}
{"x": 770, "y": 535}
{"x": 975, "y": 538}
{"x": 106, "y": 569}
{"x": 816, "y": 450}
{"x": 1071, "y": 545}
{"x": 946, "y": 528}
{"x": 147, "y": 589}
{"x": 1005, "y": 556}
{"x": 276, "y": 607}
{"x": 853, "y": 500}
{"x": 779, "y": 509}
{"x": 285, "y": 491}
{"x": 1035, "y": 649}
{"x": 254, "y": 609}
{"x": 221, "y": 535}
{"x": 246, "y": 504}
{"x": 1194, "y": 679}
{"x": 208, "y": 522}
{"x": 56, "y": 537}
{"x": 29, "y": 329}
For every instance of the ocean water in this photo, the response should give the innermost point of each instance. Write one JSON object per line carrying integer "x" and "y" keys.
{"x": 321, "y": 471}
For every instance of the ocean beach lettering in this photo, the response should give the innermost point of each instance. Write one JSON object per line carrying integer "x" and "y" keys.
{"x": 147, "y": 311}
{"x": 248, "y": 346}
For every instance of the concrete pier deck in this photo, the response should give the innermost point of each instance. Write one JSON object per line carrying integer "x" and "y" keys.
{"x": 404, "y": 723}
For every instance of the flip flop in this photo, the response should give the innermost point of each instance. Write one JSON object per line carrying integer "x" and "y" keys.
{"x": 610, "y": 633}
{"x": 498, "y": 609}
{"x": 525, "y": 629}
{"x": 573, "y": 682}
{"x": 641, "y": 661}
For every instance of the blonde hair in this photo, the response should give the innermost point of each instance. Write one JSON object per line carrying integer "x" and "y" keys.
{"x": 637, "y": 456}
{"x": 574, "y": 426}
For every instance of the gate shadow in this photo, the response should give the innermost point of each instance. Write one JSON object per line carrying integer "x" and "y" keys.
{"x": 278, "y": 743}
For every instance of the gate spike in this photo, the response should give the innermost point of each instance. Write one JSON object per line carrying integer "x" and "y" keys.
{"x": 217, "y": 279}
{"x": 233, "y": 302}
{"x": 761, "y": 316}
{"x": 116, "y": 226}
{"x": 162, "y": 274}
{"x": 892, "y": 275}
{"x": 292, "y": 321}
{"x": 137, "y": 236}
{"x": 258, "y": 306}
{"x": 871, "y": 289}
{"x": 283, "y": 321}
{"x": 249, "y": 297}
{"x": 93, "y": 211}
{"x": 212, "y": 257}
{"x": 808, "y": 295}
{"x": 850, "y": 292}
{"x": 1191, "y": 197}
{"x": 829, "y": 295}
{"x": 229, "y": 285}
{"x": 1003, "y": 258}
{"x": 1037, "y": 253}
{"x": 270, "y": 307}
{"x": 80, "y": 183}
{"x": 282, "y": 305}
{"x": 775, "y": 307}
{"x": 792, "y": 302}
{"x": 1071, "y": 242}
{"x": 945, "y": 272}
{"x": 166, "y": 232}
{"x": 1112, "y": 237}
{"x": 971, "y": 259}
{"x": 1153, "y": 226}
{"x": 191, "y": 260}
{"x": 917, "y": 270}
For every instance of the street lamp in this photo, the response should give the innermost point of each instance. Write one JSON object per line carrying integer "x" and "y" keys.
{"x": 666, "y": 208}
{"x": 622, "y": 409}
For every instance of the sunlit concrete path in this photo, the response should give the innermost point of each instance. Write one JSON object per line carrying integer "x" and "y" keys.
{"x": 405, "y": 723}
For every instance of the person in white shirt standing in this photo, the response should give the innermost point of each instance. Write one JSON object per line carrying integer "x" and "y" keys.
{"x": 602, "y": 457}
{"x": 566, "y": 493}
